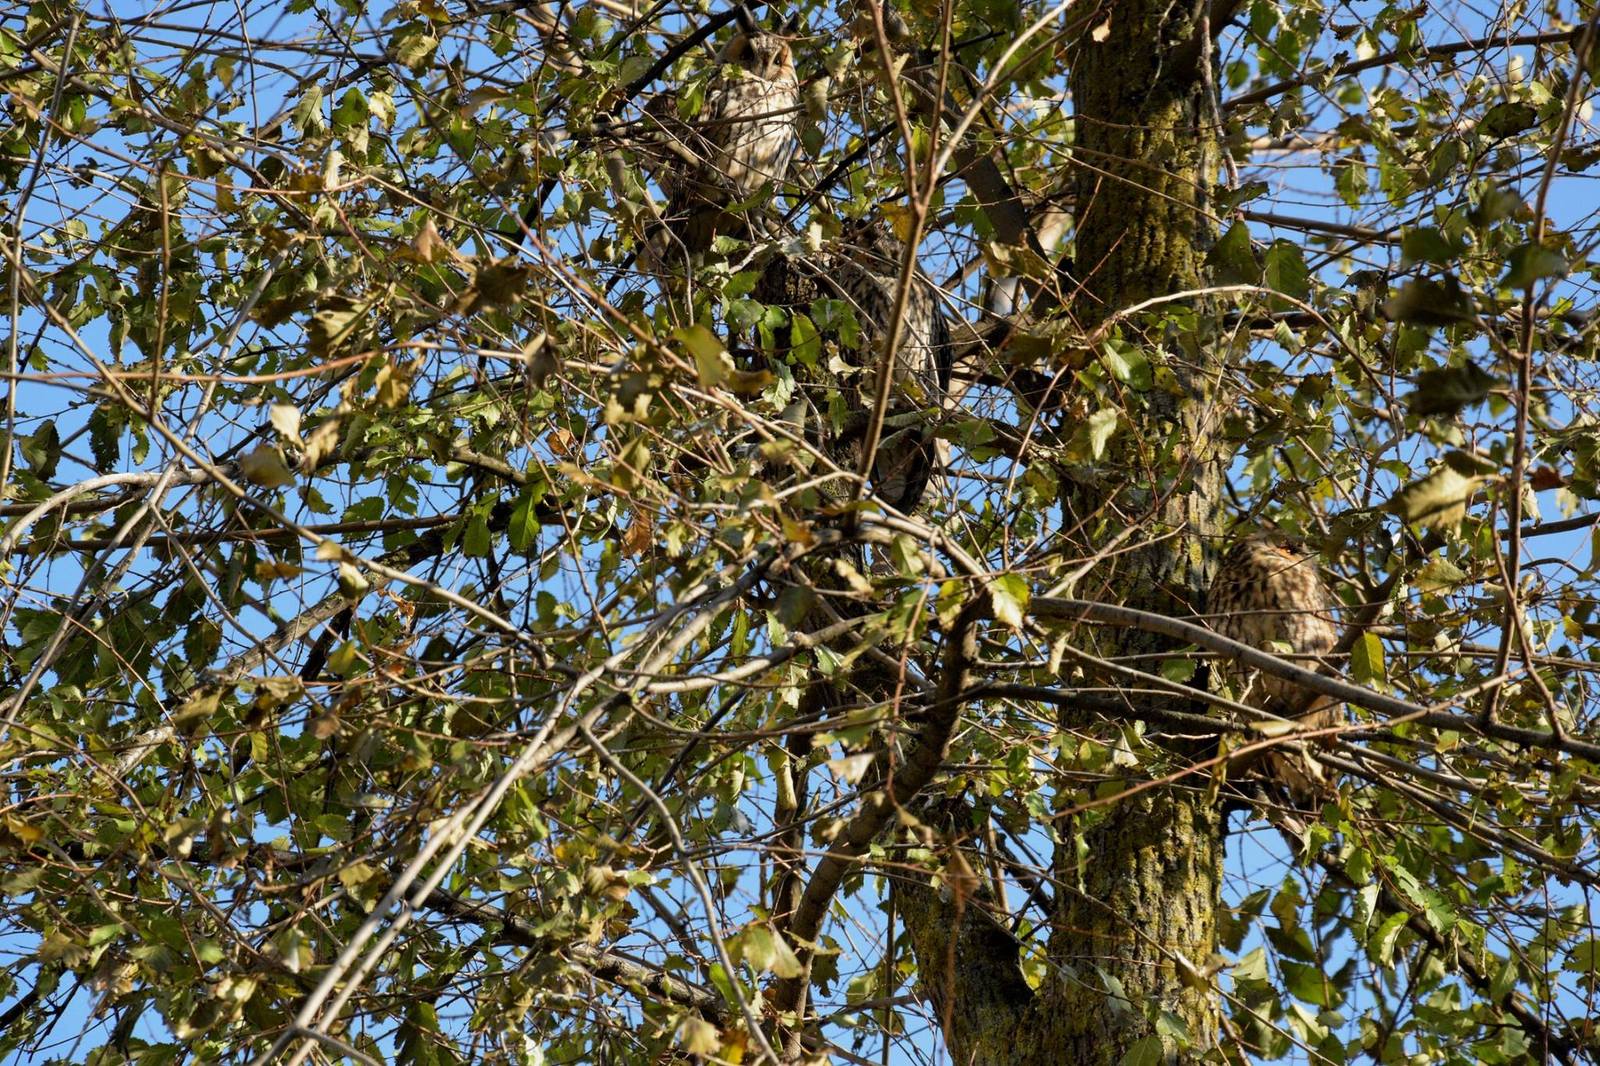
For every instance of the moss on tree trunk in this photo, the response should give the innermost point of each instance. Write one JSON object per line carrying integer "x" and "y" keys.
{"x": 1137, "y": 883}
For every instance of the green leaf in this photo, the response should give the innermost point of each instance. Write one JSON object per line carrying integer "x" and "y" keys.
{"x": 1381, "y": 947}
{"x": 805, "y": 342}
{"x": 1438, "y": 501}
{"x": 475, "y": 542}
{"x": 1098, "y": 429}
{"x": 1367, "y": 665}
{"x": 41, "y": 450}
{"x": 105, "y": 437}
{"x": 1583, "y": 957}
{"x": 1181, "y": 668}
{"x": 1351, "y": 182}
{"x": 1233, "y": 258}
{"x": 1426, "y": 302}
{"x": 1509, "y": 119}
{"x": 1285, "y": 270}
{"x": 1252, "y": 967}
{"x": 1148, "y": 1051}
{"x": 711, "y": 361}
{"x": 1008, "y": 594}
{"x": 1426, "y": 245}
{"x": 1307, "y": 983}
{"x": 524, "y": 526}
{"x": 1127, "y": 364}
{"x": 1528, "y": 263}
{"x": 633, "y": 464}
{"x": 1230, "y": 199}
{"x": 307, "y": 112}
{"x": 1445, "y": 390}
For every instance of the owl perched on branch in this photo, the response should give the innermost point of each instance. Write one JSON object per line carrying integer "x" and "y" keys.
{"x": 862, "y": 269}
{"x": 866, "y": 273}
{"x": 743, "y": 137}
{"x": 1272, "y": 597}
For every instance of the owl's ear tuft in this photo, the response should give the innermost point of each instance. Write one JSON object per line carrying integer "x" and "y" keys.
{"x": 747, "y": 22}
{"x": 791, "y": 25}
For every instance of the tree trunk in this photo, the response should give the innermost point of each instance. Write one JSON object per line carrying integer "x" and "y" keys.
{"x": 1136, "y": 883}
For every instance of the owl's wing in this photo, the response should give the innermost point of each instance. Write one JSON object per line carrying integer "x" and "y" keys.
{"x": 908, "y": 456}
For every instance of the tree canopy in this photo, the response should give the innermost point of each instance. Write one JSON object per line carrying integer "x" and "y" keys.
{"x": 437, "y": 628}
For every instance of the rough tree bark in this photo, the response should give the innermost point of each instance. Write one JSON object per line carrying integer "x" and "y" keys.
{"x": 1135, "y": 909}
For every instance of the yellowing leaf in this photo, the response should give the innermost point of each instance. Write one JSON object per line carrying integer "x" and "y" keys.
{"x": 352, "y": 582}
{"x": 285, "y": 418}
{"x": 494, "y": 285}
{"x": 274, "y": 570}
{"x": 765, "y": 949}
{"x": 26, "y": 833}
{"x": 899, "y": 217}
{"x": 334, "y": 327}
{"x": 320, "y": 443}
{"x": 698, "y": 1036}
{"x": 265, "y": 467}
{"x": 1439, "y": 575}
{"x": 1008, "y": 594}
{"x": 428, "y": 246}
{"x": 749, "y": 382}
{"x": 394, "y": 381}
{"x": 541, "y": 359}
{"x": 639, "y": 534}
{"x": 711, "y": 361}
{"x": 343, "y": 660}
{"x": 850, "y": 768}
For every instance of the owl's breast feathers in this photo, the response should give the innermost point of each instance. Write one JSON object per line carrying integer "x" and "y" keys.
{"x": 743, "y": 137}
{"x": 753, "y": 129}
{"x": 1273, "y": 598}
{"x": 866, "y": 273}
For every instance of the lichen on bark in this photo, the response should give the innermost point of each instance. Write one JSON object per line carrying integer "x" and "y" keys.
{"x": 1137, "y": 882}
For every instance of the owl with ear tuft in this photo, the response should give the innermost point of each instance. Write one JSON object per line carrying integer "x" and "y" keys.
{"x": 742, "y": 138}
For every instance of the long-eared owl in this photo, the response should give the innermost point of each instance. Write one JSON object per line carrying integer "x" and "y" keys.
{"x": 866, "y": 272}
{"x": 1272, "y": 597}
{"x": 743, "y": 136}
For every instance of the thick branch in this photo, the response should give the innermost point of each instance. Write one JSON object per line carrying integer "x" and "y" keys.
{"x": 896, "y": 785}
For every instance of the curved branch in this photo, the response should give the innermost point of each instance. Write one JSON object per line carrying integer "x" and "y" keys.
{"x": 898, "y": 783}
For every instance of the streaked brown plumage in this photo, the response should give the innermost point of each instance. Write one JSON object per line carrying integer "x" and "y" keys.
{"x": 1272, "y": 597}
{"x": 743, "y": 137}
{"x": 866, "y": 272}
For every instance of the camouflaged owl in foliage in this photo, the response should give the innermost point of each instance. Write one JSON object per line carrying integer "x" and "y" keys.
{"x": 866, "y": 271}
{"x": 1271, "y": 596}
{"x": 743, "y": 137}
